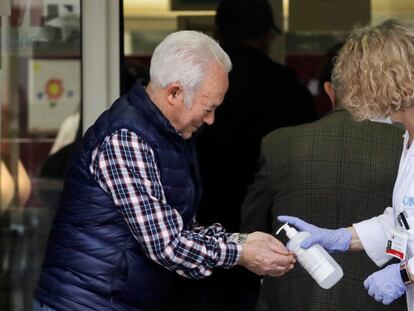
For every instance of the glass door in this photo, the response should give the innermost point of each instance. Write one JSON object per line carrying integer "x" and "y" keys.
{"x": 40, "y": 97}
{"x": 43, "y": 65}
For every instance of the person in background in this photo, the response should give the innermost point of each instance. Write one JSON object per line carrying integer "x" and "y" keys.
{"x": 374, "y": 79}
{"x": 134, "y": 70}
{"x": 331, "y": 172}
{"x": 263, "y": 95}
{"x": 126, "y": 218}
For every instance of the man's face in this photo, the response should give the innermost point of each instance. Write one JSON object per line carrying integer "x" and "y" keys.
{"x": 206, "y": 99}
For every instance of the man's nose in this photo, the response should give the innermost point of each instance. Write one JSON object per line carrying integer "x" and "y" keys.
{"x": 209, "y": 119}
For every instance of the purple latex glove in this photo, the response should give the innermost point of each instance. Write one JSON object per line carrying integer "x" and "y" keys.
{"x": 332, "y": 240}
{"x": 386, "y": 285}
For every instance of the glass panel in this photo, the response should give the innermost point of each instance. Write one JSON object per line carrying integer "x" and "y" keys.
{"x": 40, "y": 94}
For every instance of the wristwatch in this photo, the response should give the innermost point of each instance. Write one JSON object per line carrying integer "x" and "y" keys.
{"x": 242, "y": 238}
{"x": 405, "y": 274}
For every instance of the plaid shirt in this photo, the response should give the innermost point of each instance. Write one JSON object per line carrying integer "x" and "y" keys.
{"x": 125, "y": 167}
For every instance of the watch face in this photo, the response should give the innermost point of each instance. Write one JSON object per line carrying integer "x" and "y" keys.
{"x": 404, "y": 275}
{"x": 242, "y": 238}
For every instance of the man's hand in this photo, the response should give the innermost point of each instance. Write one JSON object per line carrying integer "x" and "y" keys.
{"x": 265, "y": 255}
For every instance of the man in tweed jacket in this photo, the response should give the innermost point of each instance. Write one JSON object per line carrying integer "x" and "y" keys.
{"x": 331, "y": 173}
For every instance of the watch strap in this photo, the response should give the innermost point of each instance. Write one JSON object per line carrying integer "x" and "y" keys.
{"x": 405, "y": 274}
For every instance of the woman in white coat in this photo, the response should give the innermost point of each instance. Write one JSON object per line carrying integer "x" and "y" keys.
{"x": 374, "y": 79}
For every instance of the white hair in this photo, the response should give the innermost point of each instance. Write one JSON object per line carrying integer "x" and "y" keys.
{"x": 183, "y": 57}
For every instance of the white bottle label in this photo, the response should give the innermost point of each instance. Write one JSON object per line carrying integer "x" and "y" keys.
{"x": 314, "y": 262}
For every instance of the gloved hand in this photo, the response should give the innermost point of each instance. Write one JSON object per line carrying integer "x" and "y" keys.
{"x": 332, "y": 240}
{"x": 386, "y": 285}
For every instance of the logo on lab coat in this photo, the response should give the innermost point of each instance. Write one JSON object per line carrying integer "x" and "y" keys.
{"x": 408, "y": 201}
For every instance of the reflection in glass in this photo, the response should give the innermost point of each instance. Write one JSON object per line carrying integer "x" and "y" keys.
{"x": 39, "y": 89}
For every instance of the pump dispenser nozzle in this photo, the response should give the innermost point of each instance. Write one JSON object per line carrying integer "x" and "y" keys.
{"x": 290, "y": 231}
{"x": 315, "y": 259}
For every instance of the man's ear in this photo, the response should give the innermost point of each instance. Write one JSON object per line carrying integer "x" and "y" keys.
{"x": 329, "y": 90}
{"x": 174, "y": 93}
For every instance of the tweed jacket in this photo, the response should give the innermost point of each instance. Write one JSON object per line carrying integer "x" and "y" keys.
{"x": 331, "y": 173}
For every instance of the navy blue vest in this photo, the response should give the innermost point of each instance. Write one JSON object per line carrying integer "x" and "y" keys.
{"x": 92, "y": 261}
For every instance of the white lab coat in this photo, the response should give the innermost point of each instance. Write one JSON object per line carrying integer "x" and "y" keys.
{"x": 374, "y": 232}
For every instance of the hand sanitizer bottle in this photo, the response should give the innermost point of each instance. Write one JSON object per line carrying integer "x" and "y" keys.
{"x": 316, "y": 260}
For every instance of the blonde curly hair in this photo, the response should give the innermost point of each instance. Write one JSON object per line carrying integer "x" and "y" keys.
{"x": 374, "y": 71}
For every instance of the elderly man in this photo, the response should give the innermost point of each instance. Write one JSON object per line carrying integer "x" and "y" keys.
{"x": 127, "y": 212}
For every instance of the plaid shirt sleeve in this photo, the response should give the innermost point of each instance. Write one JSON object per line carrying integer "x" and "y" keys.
{"x": 125, "y": 167}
